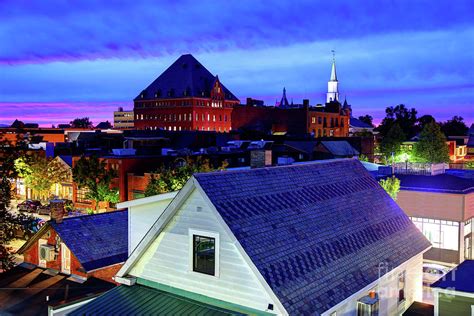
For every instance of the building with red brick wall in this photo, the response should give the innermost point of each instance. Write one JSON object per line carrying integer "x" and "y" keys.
{"x": 185, "y": 97}
{"x": 123, "y": 165}
{"x": 84, "y": 246}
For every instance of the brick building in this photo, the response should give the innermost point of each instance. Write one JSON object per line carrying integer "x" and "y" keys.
{"x": 83, "y": 246}
{"x": 186, "y": 96}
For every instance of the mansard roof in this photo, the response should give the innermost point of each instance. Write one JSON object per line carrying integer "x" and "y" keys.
{"x": 185, "y": 78}
{"x": 316, "y": 232}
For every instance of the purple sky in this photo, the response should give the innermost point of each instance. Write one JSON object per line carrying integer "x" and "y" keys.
{"x": 64, "y": 59}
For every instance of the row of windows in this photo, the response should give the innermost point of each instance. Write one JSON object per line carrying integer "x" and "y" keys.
{"x": 322, "y": 120}
{"x": 442, "y": 234}
{"x": 322, "y": 132}
{"x": 213, "y": 103}
{"x": 183, "y": 117}
{"x": 184, "y": 128}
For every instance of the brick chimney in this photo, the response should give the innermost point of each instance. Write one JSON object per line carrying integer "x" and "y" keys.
{"x": 57, "y": 210}
{"x": 260, "y": 158}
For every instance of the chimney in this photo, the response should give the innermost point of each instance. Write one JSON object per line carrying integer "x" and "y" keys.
{"x": 57, "y": 210}
{"x": 249, "y": 101}
{"x": 260, "y": 158}
{"x": 306, "y": 102}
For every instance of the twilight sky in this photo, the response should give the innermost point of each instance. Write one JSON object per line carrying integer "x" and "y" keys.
{"x": 64, "y": 59}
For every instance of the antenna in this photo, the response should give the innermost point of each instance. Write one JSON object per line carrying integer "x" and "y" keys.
{"x": 333, "y": 55}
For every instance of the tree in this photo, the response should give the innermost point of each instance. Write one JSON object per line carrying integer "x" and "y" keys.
{"x": 401, "y": 115}
{"x": 367, "y": 119}
{"x": 5, "y": 192}
{"x": 425, "y": 120}
{"x": 391, "y": 143}
{"x": 454, "y": 127}
{"x": 40, "y": 173}
{"x": 81, "y": 123}
{"x": 92, "y": 174}
{"x": 391, "y": 186}
{"x": 173, "y": 179}
{"x": 432, "y": 145}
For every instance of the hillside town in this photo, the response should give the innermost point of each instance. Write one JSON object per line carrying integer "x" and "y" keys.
{"x": 236, "y": 158}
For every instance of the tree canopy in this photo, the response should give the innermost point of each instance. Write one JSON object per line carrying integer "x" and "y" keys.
{"x": 401, "y": 115}
{"x": 432, "y": 146}
{"x": 368, "y": 119}
{"x": 98, "y": 186}
{"x": 454, "y": 127}
{"x": 173, "y": 179}
{"x": 390, "y": 144}
{"x": 83, "y": 122}
{"x": 391, "y": 186}
{"x": 40, "y": 173}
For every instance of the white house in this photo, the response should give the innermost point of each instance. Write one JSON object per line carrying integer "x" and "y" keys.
{"x": 314, "y": 239}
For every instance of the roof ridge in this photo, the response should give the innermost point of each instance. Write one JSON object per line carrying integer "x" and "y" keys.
{"x": 306, "y": 163}
{"x": 86, "y": 215}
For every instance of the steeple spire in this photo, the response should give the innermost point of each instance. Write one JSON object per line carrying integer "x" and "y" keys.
{"x": 333, "y": 70}
{"x": 284, "y": 100}
{"x": 333, "y": 90}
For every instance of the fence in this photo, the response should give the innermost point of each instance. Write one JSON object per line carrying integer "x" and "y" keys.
{"x": 418, "y": 168}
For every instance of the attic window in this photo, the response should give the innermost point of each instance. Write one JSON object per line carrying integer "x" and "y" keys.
{"x": 184, "y": 65}
{"x": 205, "y": 252}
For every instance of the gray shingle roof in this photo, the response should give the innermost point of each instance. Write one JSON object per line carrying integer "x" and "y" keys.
{"x": 186, "y": 77}
{"x": 340, "y": 148}
{"x": 316, "y": 232}
{"x": 97, "y": 240}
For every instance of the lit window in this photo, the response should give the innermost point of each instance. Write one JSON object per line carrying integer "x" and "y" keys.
{"x": 313, "y": 120}
{"x": 208, "y": 117}
{"x": 401, "y": 286}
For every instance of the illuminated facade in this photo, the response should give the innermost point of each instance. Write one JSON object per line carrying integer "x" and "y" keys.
{"x": 185, "y": 97}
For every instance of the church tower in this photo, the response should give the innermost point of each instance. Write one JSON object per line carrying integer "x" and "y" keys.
{"x": 333, "y": 90}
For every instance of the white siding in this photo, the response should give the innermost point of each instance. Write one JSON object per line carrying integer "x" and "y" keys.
{"x": 140, "y": 220}
{"x": 387, "y": 289}
{"x": 167, "y": 260}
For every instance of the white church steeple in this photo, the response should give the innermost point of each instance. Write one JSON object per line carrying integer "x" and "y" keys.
{"x": 333, "y": 90}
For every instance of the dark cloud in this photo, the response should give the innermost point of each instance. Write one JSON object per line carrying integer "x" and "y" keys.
{"x": 43, "y": 31}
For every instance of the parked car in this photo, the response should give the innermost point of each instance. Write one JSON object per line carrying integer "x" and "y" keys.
{"x": 29, "y": 206}
{"x": 433, "y": 272}
{"x": 44, "y": 209}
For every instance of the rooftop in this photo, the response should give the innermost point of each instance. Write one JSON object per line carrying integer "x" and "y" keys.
{"x": 24, "y": 290}
{"x": 142, "y": 300}
{"x": 303, "y": 224}
{"x": 443, "y": 183}
{"x": 185, "y": 78}
{"x": 460, "y": 278}
{"x": 97, "y": 240}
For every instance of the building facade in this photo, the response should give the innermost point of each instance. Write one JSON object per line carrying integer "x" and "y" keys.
{"x": 185, "y": 97}
{"x": 442, "y": 207}
{"x": 123, "y": 119}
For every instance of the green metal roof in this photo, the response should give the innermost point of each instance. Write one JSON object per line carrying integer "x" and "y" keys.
{"x": 142, "y": 300}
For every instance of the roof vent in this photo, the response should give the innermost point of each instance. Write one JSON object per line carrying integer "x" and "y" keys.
{"x": 270, "y": 307}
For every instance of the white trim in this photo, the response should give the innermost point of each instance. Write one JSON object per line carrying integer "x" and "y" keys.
{"x": 156, "y": 228}
{"x": 65, "y": 251}
{"x": 453, "y": 292}
{"x": 148, "y": 200}
{"x": 191, "y": 233}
